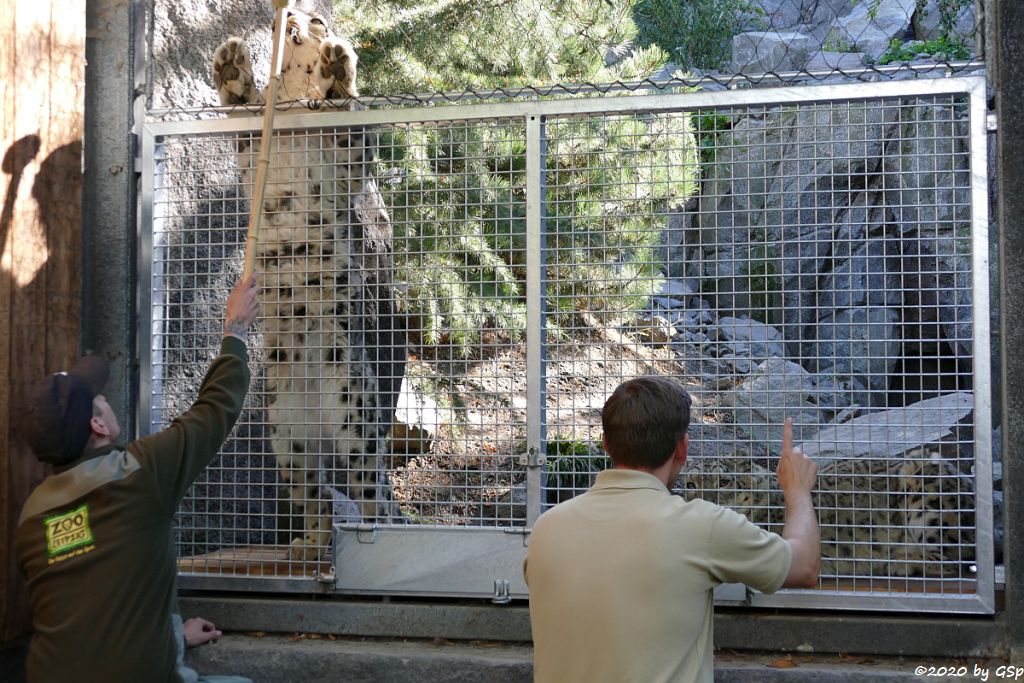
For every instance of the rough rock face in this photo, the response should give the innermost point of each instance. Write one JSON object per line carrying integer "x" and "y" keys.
{"x": 185, "y": 34}
{"x": 815, "y": 35}
{"x": 850, "y": 221}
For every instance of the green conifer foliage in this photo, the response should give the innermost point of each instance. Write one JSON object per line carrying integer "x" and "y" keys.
{"x": 457, "y": 190}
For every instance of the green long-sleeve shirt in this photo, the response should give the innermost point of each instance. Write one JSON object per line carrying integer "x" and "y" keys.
{"x": 95, "y": 543}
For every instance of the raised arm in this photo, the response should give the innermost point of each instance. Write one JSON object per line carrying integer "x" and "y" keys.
{"x": 797, "y": 475}
{"x": 176, "y": 455}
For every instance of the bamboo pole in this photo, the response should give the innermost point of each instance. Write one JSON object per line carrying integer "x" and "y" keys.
{"x": 260, "y": 183}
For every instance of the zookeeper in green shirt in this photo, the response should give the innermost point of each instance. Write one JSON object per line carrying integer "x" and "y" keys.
{"x": 94, "y": 539}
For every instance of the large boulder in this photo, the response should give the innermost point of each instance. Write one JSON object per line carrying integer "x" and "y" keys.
{"x": 928, "y": 23}
{"x": 890, "y": 433}
{"x": 781, "y": 14}
{"x": 770, "y": 51}
{"x": 751, "y": 338}
{"x": 860, "y": 346}
{"x": 867, "y": 273}
{"x": 774, "y": 198}
{"x": 778, "y": 389}
{"x": 871, "y": 26}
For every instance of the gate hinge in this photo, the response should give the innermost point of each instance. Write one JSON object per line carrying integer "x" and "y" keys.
{"x": 502, "y": 592}
{"x": 329, "y": 577}
{"x": 992, "y": 123}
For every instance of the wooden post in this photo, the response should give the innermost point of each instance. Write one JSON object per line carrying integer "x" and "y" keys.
{"x": 260, "y": 182}
{"x": 42, "y": 68}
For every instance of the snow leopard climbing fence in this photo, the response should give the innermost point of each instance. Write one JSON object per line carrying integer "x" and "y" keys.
{"x": 455, "y": 325}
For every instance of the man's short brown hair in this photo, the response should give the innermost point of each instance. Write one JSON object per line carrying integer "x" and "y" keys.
{"x": 643, "y": 420}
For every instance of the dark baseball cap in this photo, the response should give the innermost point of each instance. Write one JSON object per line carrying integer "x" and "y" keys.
{"x": 55, "y": 418}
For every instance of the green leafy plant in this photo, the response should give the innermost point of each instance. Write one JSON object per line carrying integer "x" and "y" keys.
{"x": 708, "y": 126}
{"x": 695, "y": 33}
{"x": 837, "y": 43}
{"x": 571, "y": 468}
{"x": 945, "y": 48}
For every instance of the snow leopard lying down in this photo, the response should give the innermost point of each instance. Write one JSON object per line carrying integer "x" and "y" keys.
{"x": 912, "y": 516}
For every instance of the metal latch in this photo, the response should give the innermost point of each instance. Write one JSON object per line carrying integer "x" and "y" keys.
{"x": 532, "y": 458}
{"x": 502, "y": 590}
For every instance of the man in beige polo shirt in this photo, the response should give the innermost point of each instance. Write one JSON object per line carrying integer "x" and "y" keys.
{"x": 621, "y": 577}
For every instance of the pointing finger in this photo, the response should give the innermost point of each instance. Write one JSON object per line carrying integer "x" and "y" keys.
{"x": 787, "y": 435}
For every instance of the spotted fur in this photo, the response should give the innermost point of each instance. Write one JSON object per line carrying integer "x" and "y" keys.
{"x": 324, "y": 256}
{"x": 912, "y": 516}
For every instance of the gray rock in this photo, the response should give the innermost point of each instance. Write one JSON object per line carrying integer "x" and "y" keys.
{"x": 682, "y": 248}
{"x": 667, "y": 304}
{"x": 770, "y": 51}
{"x": 679, "y": 290}
{"x": 928, "y": 23}
{"x": 775, "y": 390}
{"x": 867, "y": 274}
{"x": 927, "y": 157}
{"x": 618, "y": 53}
{"x": 757, "y": 339}
{"x": 781, "y": 14}
{"x": 828, "y": 60}
{"x": 186, "y": 32}
{"x": 870, "y": 26}
{"x": 936, "y": 273}
{"x": 890, "y": 433}
{"x": 740, "y": 364}
{"x": 769, "y": 206}
{"x": 821, "y": 14}
{"x": 862, "y": 344}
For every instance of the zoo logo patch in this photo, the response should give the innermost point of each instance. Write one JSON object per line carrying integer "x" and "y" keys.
{"x": 68, "y": 534}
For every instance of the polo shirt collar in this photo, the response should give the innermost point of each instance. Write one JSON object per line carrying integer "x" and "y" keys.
{"x": 627, "y": 479}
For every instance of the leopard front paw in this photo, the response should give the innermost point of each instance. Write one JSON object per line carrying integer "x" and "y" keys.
{"x": 232, "y": 73}
{"x": 336, "y": 69}
{"x": 305, "y": 549}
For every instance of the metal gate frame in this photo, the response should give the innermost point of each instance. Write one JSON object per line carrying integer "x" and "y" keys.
{"x": 534, "y": 114}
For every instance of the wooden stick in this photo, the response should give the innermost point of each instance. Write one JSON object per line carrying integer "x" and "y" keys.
{"x": 260, "y": 184}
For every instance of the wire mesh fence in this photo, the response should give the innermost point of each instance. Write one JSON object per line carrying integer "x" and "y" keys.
{"x": 431, "y": 54}
{"x": 813, "y": 258}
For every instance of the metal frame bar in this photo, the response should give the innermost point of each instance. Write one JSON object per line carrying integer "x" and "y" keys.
{"x": 973, "y": 85}
{"x": 535, "y": 114}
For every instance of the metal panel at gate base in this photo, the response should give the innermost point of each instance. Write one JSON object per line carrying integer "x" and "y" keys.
{"x": 441, "y": 329}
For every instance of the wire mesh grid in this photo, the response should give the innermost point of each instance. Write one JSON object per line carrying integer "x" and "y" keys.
{"x": 810, "y": 260}
{"x": 820, "y": 272}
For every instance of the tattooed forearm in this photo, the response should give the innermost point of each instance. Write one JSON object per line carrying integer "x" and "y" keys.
{"x": 236, "y": 327}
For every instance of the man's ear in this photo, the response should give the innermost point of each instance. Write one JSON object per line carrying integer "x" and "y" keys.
{"x": 681, "y": 449}
{"x": 99, "y": 427}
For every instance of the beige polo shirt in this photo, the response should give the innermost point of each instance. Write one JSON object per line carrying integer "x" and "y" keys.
{"x": 621, "y": 581}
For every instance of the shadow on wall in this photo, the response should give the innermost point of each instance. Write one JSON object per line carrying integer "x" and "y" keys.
{"x": 42, "y": 324}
